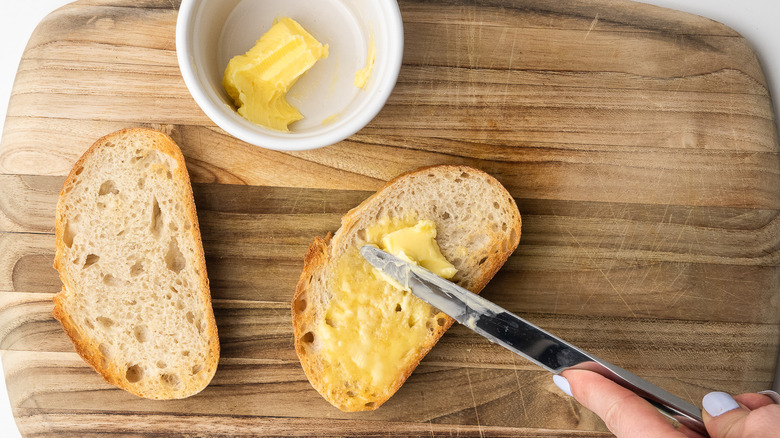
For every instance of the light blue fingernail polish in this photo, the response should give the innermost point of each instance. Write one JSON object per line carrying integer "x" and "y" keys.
{"x": 563, "y": 384}
{"x": 717, "y": 403}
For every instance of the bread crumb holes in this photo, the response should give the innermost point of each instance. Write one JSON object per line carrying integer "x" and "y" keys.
{"x": 105, "y": 322}
{"x": 174, "y": 259}
{"x": 90, "y": 260}
{"x": 107, "y": 187}
{"x": 171, "y": 380}
{"x": 70, "y": 230}
{"x": 110, "y": 280}
{"x": 136, "y": 269}
{"x": 156, "y": 221}
{"x": 134, "y": 374}
{"x": 141, "y": 333}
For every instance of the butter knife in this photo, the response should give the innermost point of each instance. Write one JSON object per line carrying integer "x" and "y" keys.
{"x": 520, "y": 336}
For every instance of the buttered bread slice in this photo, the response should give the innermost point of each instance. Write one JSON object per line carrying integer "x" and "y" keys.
{"x": 359, "y": 336}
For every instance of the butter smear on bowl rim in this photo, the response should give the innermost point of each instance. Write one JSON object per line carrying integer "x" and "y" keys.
{"x": 362, "y": 75}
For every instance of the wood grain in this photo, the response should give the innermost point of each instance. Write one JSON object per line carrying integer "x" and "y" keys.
{"x": 638, "y": 142}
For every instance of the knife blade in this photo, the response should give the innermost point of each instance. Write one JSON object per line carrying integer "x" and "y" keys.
{"x": 520, "y": 336}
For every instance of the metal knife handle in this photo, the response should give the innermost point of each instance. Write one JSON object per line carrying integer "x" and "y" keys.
{"x": 666, "y": 403}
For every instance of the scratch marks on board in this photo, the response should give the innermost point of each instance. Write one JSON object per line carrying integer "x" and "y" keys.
{"x": 474, "y": 402}
{"x": 519, "y": 387}
{"x": 619, "y": 294}
{"x": 474, "y": 35}
{"x": 594, "y": 264}
{"x": 509, "y": 70}
{"x": 592, "y": 25}
{"x": 296, "y": 201}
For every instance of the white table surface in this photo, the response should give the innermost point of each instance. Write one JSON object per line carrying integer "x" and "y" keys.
{"x": 756, "y": 20}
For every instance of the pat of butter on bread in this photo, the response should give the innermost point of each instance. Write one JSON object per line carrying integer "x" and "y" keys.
{"x": 358, "y": 336}
{"x": 415, "y": 244}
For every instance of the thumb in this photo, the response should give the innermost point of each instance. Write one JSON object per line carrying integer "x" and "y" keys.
{"x": 723, "y": 416}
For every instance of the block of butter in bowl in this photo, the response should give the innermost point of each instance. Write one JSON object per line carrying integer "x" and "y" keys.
{"x": 259, "y": 80}
{"x": 290, "y": 74}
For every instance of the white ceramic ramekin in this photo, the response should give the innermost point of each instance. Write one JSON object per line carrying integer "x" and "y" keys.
{"x": 210, "y": 32}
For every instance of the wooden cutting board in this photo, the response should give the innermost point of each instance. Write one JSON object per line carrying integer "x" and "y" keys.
{"x": 639, "y": 143}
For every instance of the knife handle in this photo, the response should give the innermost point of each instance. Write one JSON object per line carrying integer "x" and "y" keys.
{"x": 666, "y": 403}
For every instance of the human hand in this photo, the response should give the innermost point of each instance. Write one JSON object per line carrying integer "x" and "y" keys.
{"x": 629, "y": 416}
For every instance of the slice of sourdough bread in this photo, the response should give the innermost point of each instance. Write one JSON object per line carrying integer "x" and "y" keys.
{"x": 358, "y": 338}
{"x": 135, "y": 299}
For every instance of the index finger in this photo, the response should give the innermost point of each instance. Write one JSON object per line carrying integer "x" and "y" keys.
{"x": 625, "y": 413}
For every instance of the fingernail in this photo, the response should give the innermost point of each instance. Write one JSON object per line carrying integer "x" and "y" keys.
{"x": 771, "y": 394}
{"x": 717, "y": 403}
{"x": 563, "y": 384}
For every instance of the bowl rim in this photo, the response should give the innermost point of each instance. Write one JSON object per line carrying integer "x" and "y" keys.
{"x": 228, "y": 119}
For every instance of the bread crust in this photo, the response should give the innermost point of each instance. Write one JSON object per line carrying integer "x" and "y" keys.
{"x": 88, "y": 348}
{"x": 321, "y": 252}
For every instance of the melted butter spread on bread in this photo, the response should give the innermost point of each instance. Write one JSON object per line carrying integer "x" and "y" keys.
{"x": 373, "y": 328}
